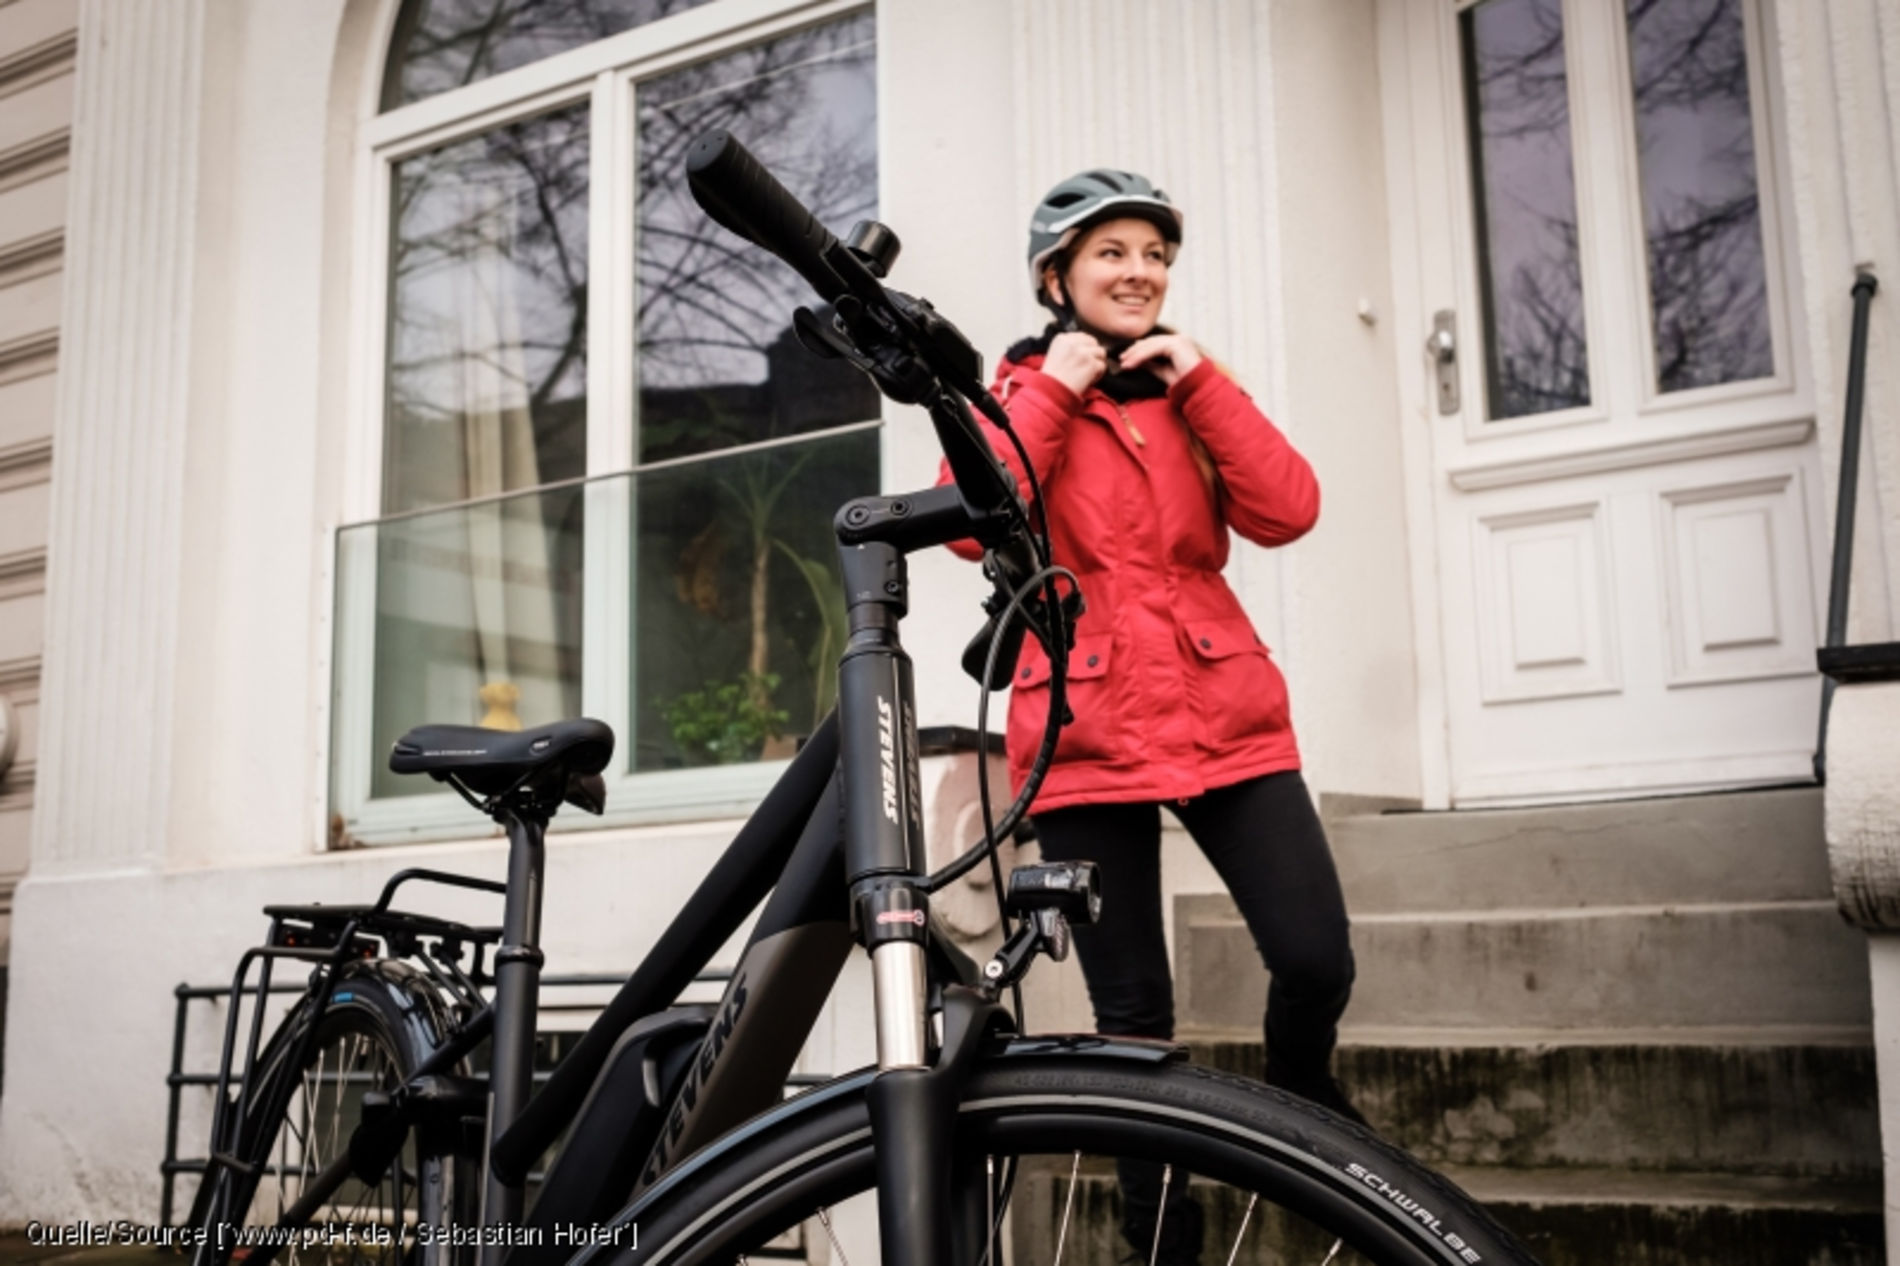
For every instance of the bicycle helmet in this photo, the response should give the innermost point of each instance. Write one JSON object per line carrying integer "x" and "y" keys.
{"x": 1088, "y": 198}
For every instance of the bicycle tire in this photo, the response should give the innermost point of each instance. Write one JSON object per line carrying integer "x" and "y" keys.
{"x": 383, "y": 1019}
{"x": 768, "y": 1178}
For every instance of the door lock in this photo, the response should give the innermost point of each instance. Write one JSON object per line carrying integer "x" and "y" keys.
{"x": 1443, "y": 347}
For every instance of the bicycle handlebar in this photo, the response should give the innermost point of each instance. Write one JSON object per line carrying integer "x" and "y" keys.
{"x": 914, "y": 354}
{"x": 736, "y": 190}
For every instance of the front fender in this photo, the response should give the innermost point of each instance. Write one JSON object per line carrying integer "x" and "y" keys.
{"x": 826, "y": 1096}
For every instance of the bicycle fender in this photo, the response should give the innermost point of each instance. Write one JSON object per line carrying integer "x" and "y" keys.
{"x": 1110, "y": 1050}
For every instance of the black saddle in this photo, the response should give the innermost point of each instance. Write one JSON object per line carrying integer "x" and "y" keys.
{"x": 549, "y": 763}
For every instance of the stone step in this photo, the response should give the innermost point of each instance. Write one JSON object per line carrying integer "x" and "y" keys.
{"x": 1796, "y": 1104}
{"x": 1612, "y": 1218}
{"x": 1746, "y": 964}
{"x": 1749, "y": 846}
{"x": 1566, "y": 1217}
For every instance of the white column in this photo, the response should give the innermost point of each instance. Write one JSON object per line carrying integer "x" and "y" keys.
{"x": 1840, "y": 62}
{"x": 114, "y": 570}
{"x": 1841, "y": 72}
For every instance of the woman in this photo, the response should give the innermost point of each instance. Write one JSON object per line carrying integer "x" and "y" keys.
{"x": 1148, "y": 454}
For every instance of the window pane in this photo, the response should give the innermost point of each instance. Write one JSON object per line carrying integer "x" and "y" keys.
{"x": 488, "y": 315}
{"x": 1708, "y": 283}
{"x": 440, "y": 45}
{"x": 739, "y": 611}
{"x": 478, "y": 620}
{"x": 1518, "y": 106}
{"x": 718, "y": 363}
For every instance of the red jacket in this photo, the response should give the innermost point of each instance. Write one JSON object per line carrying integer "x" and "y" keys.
{"x": 1173, "y": 691}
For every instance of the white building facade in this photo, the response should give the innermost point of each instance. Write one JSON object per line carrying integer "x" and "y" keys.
{"x": 398, "y": 381}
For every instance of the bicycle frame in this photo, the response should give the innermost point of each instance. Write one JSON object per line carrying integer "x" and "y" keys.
{"x": 837, "y": 843}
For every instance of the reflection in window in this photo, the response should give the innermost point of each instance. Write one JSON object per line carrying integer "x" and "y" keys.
{"x": 478, "y": 619}
{"x": 738, "y": 604}
{"x": 487, "y": 375}
{"x": 1708, "y": 286}
{"x": 441, "y": 45}
{"x": 718, "y": 363}
{"x": 739, "y": 611}
{"x": 1524, "y": 190}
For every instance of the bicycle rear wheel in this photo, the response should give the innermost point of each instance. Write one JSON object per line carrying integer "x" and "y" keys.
{"x": 381, "y": 1023}
{"x": 1276, "y": 1178}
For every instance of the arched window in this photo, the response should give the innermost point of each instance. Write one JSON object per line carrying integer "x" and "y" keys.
{"x": 605, "y": 471}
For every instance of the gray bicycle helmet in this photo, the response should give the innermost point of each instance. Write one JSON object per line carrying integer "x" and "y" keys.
{"x": 1088, "y": 198}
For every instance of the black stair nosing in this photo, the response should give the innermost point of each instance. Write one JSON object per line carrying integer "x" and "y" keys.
{"x": 1565, "y": 1185}
{"x": 1460, "y": 1038}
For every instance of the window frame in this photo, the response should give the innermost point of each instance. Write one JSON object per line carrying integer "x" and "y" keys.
{"x": 605, "y": 75}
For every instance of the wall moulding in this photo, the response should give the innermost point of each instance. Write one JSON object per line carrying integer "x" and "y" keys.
{"x": 28, "y": 357}
{"x": 1627, "y": 454}
{"x": 23, "y": 572}
{"x": 20, "y": 679}
{"x": 32, "y": 256}
{"x": 36, "y": 159}
{"x": 37, "y": 63}
{"x": 24, "y": 464}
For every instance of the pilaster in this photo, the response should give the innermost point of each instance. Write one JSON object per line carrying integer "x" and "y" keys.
{"x": 115, "y": 571}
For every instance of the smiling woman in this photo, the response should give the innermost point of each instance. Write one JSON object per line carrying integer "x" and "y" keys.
{"x": 1149, "y": 455}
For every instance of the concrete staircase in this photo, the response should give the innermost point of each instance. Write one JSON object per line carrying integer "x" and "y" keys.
{"x": 1638, "y": 1031}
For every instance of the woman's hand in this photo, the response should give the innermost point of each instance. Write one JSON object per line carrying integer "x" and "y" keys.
{"x": 1168, "y": 356}
{"x": 1076, "y": 361}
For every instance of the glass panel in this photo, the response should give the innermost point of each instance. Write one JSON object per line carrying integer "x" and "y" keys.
{"x": 1708, "y": 279}
{"x": 738, "y": 608}
{"x": 1518, "y": 108}
{"x": 477, "y": 621}
{"x": 440, "y": 45}
{"x": 718, "y": 363}
{"x": 487, "y": 371}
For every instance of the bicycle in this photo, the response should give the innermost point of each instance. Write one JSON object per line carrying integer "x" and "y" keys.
{"x": 677, "y": 1144}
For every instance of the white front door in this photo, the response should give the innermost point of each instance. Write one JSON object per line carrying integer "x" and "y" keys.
{"x": 1620, "y": 480}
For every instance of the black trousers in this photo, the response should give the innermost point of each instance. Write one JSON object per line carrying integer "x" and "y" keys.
{"x": 1267, "y": 844}
{"x": 1269, "y": 848}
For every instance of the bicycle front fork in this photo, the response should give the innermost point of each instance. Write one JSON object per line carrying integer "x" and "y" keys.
{"x": 913, "y": 1100}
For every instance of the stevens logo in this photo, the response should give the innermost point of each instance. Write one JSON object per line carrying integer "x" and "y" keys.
{"x": 887, "y": 753}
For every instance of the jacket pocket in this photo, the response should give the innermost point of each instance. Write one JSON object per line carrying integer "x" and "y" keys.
{"x": 1092, "y": 736}
{"x": 1242, "y": 693}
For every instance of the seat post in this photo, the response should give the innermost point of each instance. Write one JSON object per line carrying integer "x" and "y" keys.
{"x": 518, "y": 962}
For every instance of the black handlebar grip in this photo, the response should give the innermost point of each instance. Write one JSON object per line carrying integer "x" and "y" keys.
{"x": 736, "y": 190}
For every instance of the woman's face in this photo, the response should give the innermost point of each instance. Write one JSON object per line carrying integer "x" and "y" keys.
{"x": 1118, "y": 276}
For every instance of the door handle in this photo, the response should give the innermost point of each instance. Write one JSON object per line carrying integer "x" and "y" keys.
{"x": 1442, "y": 346}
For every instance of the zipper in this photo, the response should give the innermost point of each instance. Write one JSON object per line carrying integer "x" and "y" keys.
{"x": 1130, "y": 424}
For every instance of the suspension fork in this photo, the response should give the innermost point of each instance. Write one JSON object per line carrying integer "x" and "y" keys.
{"x": 914, "y": 1097}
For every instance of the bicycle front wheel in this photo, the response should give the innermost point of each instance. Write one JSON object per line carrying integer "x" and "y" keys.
{"x": 1273, "y": 1178}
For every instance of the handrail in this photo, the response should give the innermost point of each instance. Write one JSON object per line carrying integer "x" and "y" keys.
{"x": 1841, "y": 581}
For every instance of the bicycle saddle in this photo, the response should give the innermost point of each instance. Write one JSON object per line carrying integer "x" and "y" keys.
{"x": 489, "y": 762}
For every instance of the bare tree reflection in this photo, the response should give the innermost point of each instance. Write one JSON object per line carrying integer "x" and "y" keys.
{"x": 1517, "y": 94}
{"x": 1542, "y": 362}
{"x": 489, "y": 286}
{"x": 1702, "y": 210}
{"x": 711, "y": 307}
{"x": 754, "y": 583}
{"x": 441, "y": 45}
